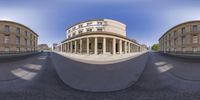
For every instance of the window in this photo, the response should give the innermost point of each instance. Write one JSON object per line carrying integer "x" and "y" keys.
{"x": 195, "y": 39}
{"x": 26, "y": 33}
{"x": 89, "y": 30}
{"x": 175, "y": 33}
{"x": 7, "y": 28}
{"x": 74, "y": 34}
{"x": 80, "y": 26}
{"x": 17, "y": 40}
{"x": 26, "y": 42}
{"x": 99, "y": 29}
{"x": 80, "y": 32}
{"x": 69, "y": 31}
{"x": 73, "y": 28}
{"x": 18, "y": 31}
{"x": 194, "y": 28}
{"x": 90, "y": 23}
{"x": 183, "y": 30}
{"x": 183, "y": 40}
{"x": 6, "y": 39}
{"x": 99, "y": 23}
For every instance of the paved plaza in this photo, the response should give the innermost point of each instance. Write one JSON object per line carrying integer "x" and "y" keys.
{"x": 164, "y": 78}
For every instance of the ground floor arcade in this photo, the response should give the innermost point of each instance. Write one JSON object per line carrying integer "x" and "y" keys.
{"x": 99, "y": 44}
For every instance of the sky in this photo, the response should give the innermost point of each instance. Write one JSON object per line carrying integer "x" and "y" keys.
{"x": 146, "y": 20}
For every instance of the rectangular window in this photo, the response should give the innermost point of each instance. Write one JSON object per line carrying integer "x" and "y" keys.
{"x": 26, "y": 42}
{"x": 80, "y": 26}
{"x": 73, "y": 28}
{"x": 99, "y": 23}
{"x": 183, "y": 40}
{"x": 194, "y": 28}
{"x": 195, "y": 39}
{"x": 99, "y": 29}
{"x": 18, "y": 31}
{"x": 74, "y": 34}
{"x": 90, "y": 46}
{"x": 7, "y": 28}
{"x": 80, "y": 32}
{"x": 26, "y": 33}
{"x": 90, "y": 23}
{"x": 183, "y": 30}
{"x": 89, "y": 30}
{"x": 6, "y": 39}
{"x": 17, "y": 40}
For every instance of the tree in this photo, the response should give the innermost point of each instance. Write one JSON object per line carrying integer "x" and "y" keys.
{"x": 154, "y": 47}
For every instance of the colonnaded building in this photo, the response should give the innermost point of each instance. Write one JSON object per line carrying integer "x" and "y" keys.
{"x": 183, "y": 38}
{"x": 16, "y": 38}
{"x": 99, "y": 36}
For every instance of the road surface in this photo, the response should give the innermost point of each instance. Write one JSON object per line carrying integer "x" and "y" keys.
{"x": 164, "y": 78}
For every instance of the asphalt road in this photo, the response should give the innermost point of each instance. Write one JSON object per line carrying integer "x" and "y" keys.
{"x": 164, "y": 78}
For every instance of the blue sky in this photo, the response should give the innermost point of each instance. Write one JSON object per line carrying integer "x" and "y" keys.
{"x": 146, "y": 20}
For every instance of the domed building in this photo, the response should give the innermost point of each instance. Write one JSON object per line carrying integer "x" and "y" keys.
{"x": 16, "y": 38}
{"x": 183, "y": 38}
{"x": 98, "y": 36}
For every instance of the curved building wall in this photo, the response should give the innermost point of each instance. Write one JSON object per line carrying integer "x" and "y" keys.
{"x": 100, "y": 25}
{"x": 102, "y": 36}
{"x": 15, "y": 37}
{"x": 183, "y": 38}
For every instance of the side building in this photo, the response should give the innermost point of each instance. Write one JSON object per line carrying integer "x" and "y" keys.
{"x": 98, "y": 36}
{"x": 181, "y": 39}
{"x": 16, "y": 38}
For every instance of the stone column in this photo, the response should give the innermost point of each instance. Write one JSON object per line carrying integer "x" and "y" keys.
{"x": 129, "y": 47}
{"x": 71, "y": 48}
{"x": 120, "y": 46}
{"x": 95, "y": 45}
{"x": 114, "y": 46}
{"x": 75, "y": 42}
{"x": 80, "y": 45}
{"x": 104, "y": 45}
{"x": 125, "y": 47}
{"x": 88, "y": 45}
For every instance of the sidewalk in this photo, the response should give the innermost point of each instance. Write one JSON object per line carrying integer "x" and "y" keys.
{"x": 100, "y": 59}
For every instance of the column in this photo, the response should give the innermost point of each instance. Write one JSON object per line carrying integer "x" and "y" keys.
{"x": 129, "y": 47}
{"x": 80, "y": 45}
{"x": 71, "y": 47}
{"x": 95, "y": 45}
{"x": 104, "y": 45}
{"x": 120, "y": 46}
{"x": 114, "y": 45}
{"x": 125, "y": 47}
{"x": 75, "y": 42}
{"x": 88, "y": 45}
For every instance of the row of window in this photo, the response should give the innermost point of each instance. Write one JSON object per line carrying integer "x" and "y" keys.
{"x": 183, "y": 30}
{"x": 7, "y": 39}
{"x": 183, "y": 41}
{"x": 87, "y": 24}
{"x": 18, "y": 30}
{"x": 87, "y": 30}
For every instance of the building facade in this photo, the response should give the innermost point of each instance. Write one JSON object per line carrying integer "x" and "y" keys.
{"x": 16, "y": 38}
{"x": 183, "y": 38}
{"x": 101, "y": 36}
